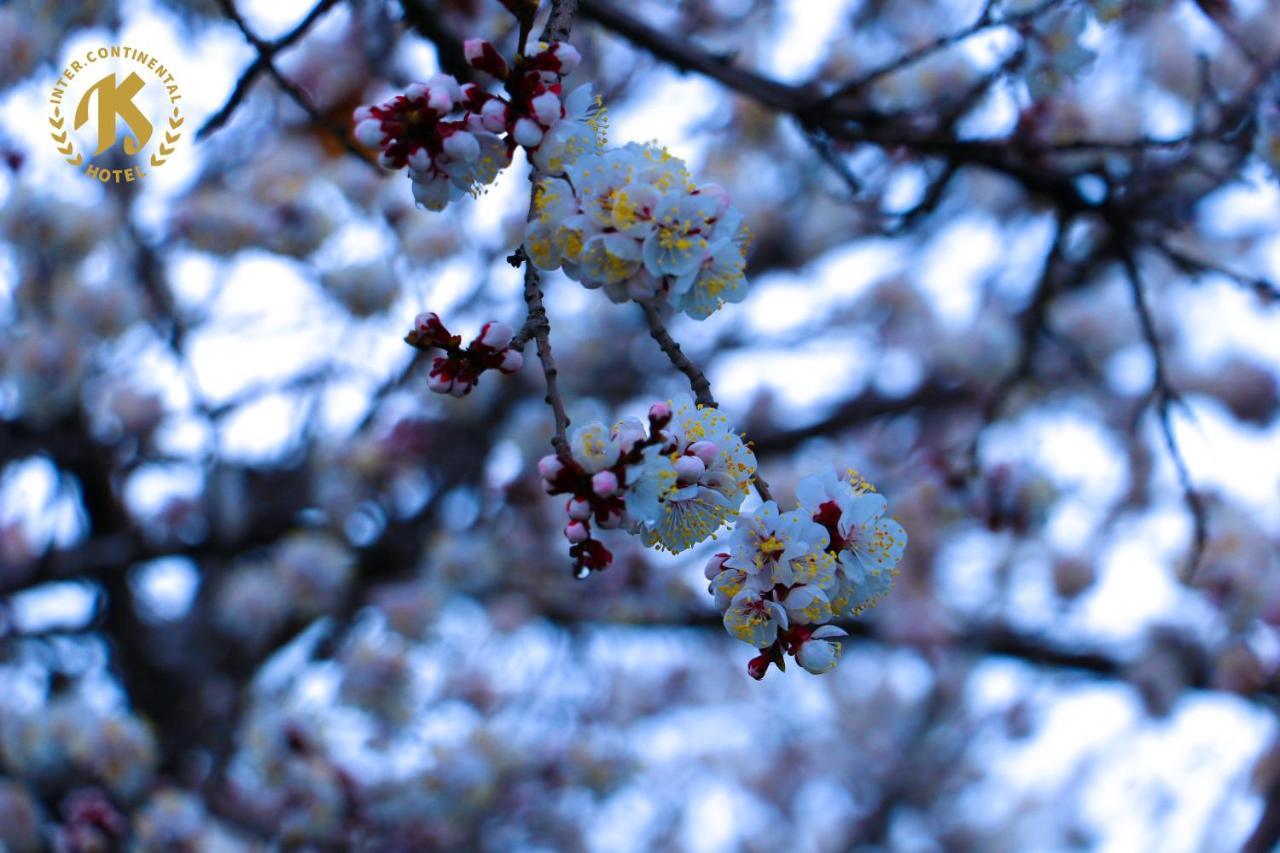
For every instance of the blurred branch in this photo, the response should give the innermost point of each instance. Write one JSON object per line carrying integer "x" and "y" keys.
{"x": 295, "y": 94}
{"x": 1267, "y": 291}
{"x": 1266, "y": 832}
{"x": 868, "y": 406}
{"x": 986, "y": 19}
{"x": 1164, "y": 397}
{"x": 266, "y": 53}
{"x": 426, "y": 20}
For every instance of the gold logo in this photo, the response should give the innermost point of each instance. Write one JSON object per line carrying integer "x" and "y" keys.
{"x": 105, "y": 86}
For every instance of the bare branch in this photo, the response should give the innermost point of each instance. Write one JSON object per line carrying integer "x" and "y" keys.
{"x": 265, "y": 55}
{"x": 698, "y": 381}
{"x": 291, "y": 89}
{"x": 1164, "y": 397}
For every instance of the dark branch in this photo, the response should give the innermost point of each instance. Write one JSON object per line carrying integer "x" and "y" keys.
{"x": 295, "y": 94}
{"x": 265, "y": 55}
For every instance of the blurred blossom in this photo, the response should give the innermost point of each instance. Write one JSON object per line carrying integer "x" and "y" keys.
{"x": 365, "y": 288}
{"x": 20, "y": 818}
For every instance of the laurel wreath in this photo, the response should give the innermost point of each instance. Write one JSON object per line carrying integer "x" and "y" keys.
{"x": 171, "y": 137}
{"x": 67, "y": 146}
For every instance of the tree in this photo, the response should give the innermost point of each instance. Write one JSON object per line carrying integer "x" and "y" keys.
{"x": 273, "y": 571}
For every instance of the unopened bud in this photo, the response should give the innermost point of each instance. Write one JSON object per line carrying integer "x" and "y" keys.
{"x": 605, "y": 484}
{"x": 704, "y": 450}
{"x": 714, "y": 566}
{"x": 495, "y": 335}
{"x": 689, "y": 469}
{"x": 550, "y": 466}
{"x": 512, "y": 361}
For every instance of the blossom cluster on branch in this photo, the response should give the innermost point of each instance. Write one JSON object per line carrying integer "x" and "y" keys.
{"x": 673, "y": 486}
{"x": 455, "y": 138}
{"x": 458, "y": 370}
{"x": 786, "y": 575}
{"x": 632, "y": 221}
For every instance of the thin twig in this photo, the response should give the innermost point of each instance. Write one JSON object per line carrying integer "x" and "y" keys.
{"x": 538, "y": 326}
{"x": 295, "y": 94}
{"x": 1164, "y": 396}
{"x": 698, "y": 381}
{"x": 1266, "y": 290}
{"x": 259, "y": 64}
{"x": 986, "y": 19}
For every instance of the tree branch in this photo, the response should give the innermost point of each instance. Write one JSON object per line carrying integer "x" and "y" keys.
{"x": 265, "y": 55}
{"x": 1164, "y": 396}
{"x": 295, "y": 94}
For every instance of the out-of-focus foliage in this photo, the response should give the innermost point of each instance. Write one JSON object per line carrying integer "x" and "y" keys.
{"x": 1015, "y": 262}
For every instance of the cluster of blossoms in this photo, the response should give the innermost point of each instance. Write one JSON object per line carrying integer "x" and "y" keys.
{"x": 786, "y": 575}
{"x": 71, "y": 739}
{"x": 458, "y": 370}
{"x": 1266, "y": 140}
{"x": 1054, "y": 53}
{"x": 308, "y": 575}
{"x": 455, "y": 138}
{"x": 632, "y": 221}
{"x": 673, "y": 485}
{"x": 272, "y": 204}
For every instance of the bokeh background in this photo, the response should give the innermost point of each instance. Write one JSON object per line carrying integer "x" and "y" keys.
{"x": 260, "y": 589}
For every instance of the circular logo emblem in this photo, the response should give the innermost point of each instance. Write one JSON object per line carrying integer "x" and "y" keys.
{"x": 116, "y": 98}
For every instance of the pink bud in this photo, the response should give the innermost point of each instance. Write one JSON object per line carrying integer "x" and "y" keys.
{"x": 578, "y": 509}
{"x": 461, "y": 387}
{"x": 660, "y": 412}
{"x": 714, "y": 566}
{"x": 484, "y": 56}
{"x": 439, "y": 99}
{"x": 758, "y": 666}
{"x": 704, "y": 450}
{"x": 473, "y": 49}
{"x": 605, "y": 484}
{"x": 550, "y": 466}
{"x": 512, "y": 361}
{"x": 527, "y": 133}
{"x": 546, "y": 108}
{"x": 568, "y": 56}
{"x": 627, "y": 433}
{"x": 495, "y": 335}
{"x": 462, "y": 146}
{"x": 494, "y": 115}
{"x": 416, "y": 91}
{"x": 440, "y": 384}
{"x": 719, "y": 194}
{"x": 419, "y": 160}
{"x": 576, "y": 532}
{"x": 425, "y": 323}
{"x": 689, "y": 469}
{"x": 369, "y": 133}
{"x": 363, "y": 112}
